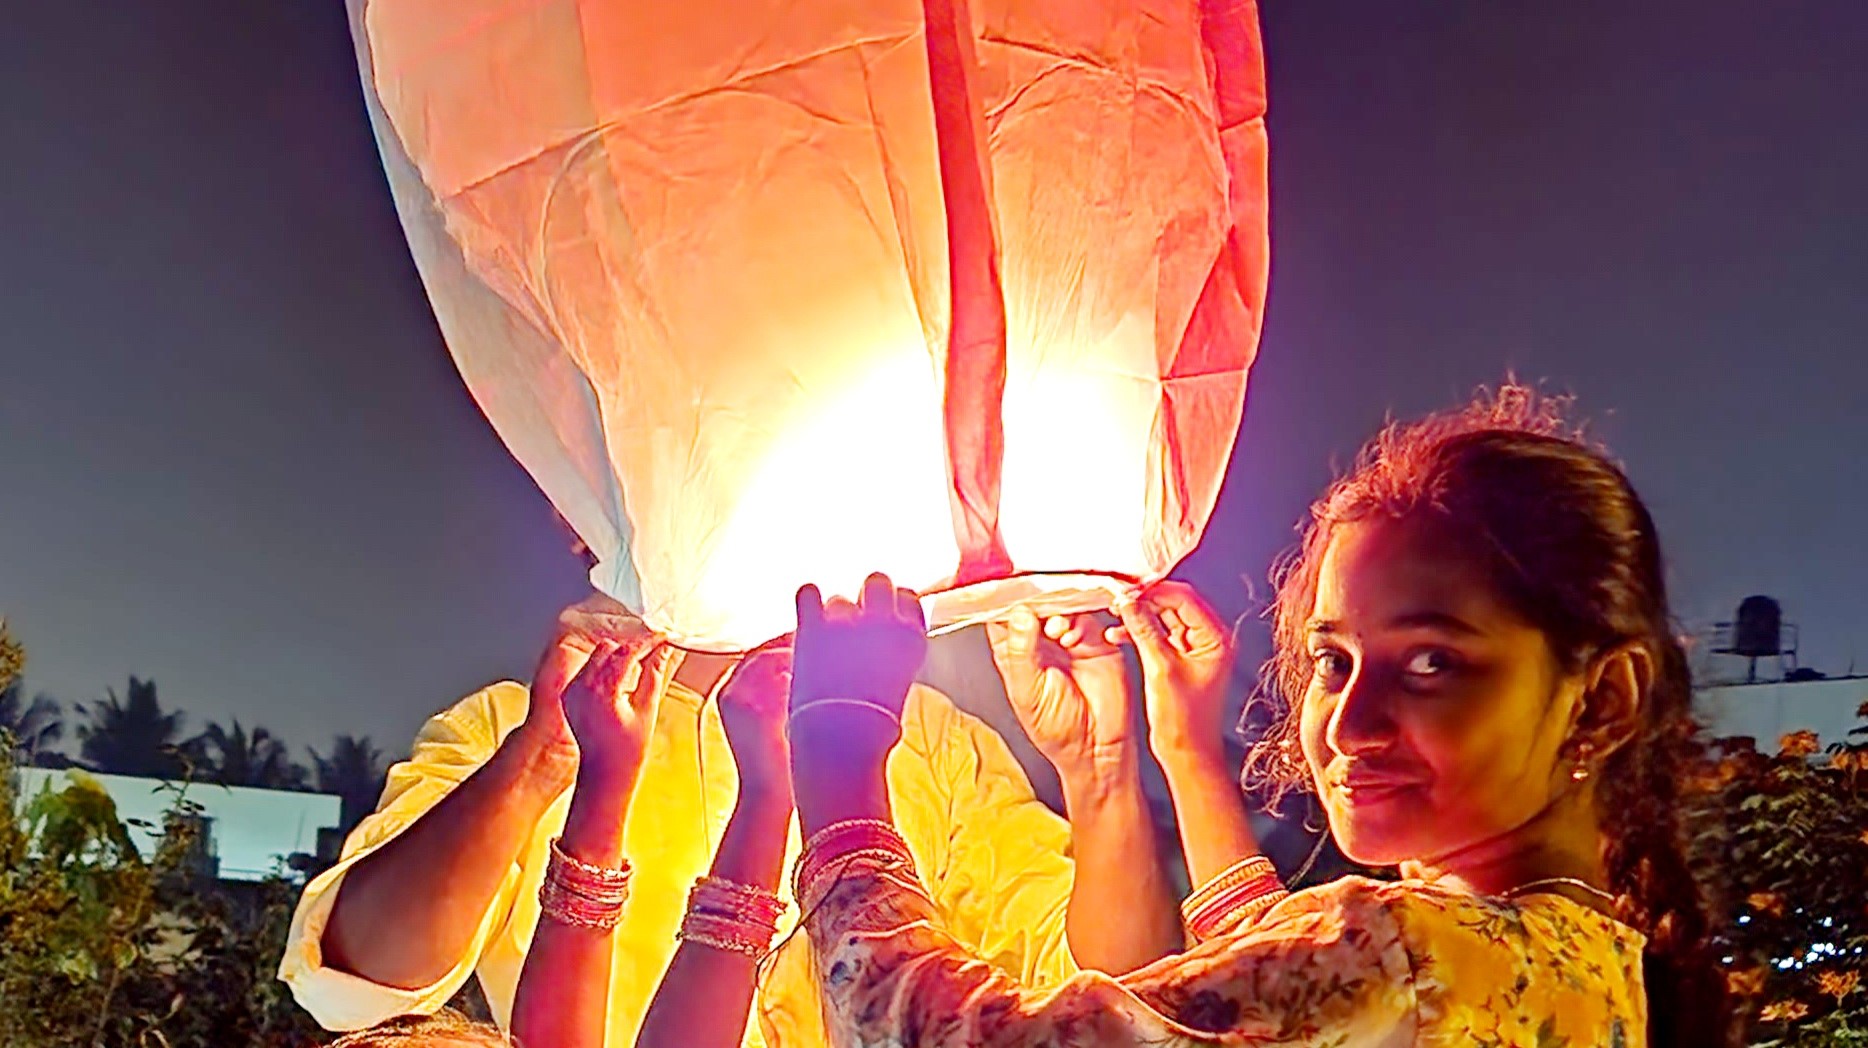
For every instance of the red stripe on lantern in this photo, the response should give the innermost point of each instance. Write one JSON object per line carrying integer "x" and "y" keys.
{"x": 975, "y": 364}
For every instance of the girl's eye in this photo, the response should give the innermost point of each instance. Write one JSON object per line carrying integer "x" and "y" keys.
{"x": 1329, "y": 665}
{"x": 1429, "y": 662}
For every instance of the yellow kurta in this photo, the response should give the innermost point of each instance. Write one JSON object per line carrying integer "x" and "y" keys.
{"x": 1352, "y": 964}
{"x": 997, "y": 858}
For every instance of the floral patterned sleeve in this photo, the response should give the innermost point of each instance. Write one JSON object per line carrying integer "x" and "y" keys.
{"x": 1323, "y": 968}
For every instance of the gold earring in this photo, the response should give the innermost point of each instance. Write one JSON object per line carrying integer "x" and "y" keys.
{"x": 1581, "y": 770}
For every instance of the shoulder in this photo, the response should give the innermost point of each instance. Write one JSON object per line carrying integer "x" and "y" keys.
{"x": 1456, "y": 942}
{"x": 1572, "y": 971}
{"x": 481, "y": 719}
{"x": 1391, "y": 923}
{"x": 1416, "y": 914}
{"x": 1334, "y": 960}
{"x": 1355, "y": 911}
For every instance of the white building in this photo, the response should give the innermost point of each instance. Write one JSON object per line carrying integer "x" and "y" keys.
{"x": 250, "y": 832}
{"x": 1769, "y": 710}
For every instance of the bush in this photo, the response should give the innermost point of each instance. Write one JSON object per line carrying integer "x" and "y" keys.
{"x": 1789, "y": 846}
{"x": 100, "y": 948}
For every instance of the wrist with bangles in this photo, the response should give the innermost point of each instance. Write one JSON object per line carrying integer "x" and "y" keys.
{"x": 730, "y": 916}
{"x": 852, "y": 846}
{"x": 581, "y": 894}
{"x": 1240, "y": 894}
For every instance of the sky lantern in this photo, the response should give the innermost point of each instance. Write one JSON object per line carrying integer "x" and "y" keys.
{"x": 772, "y": 291}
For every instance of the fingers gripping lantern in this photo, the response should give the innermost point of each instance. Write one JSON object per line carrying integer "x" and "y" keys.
{"x": 764, "y": 292}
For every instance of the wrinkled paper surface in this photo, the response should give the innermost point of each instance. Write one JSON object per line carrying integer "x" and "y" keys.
{"x": 772, "y": 291}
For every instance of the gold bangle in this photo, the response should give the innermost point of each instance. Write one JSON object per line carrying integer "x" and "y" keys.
{"x": 718, "y": 895}
{"x": 612, "y": 877}
{"x": 1249, "y": 868}
{"x": 1242, "y": 892}
{"x": 579, "y": 911}
{"x": 749, "y": 937}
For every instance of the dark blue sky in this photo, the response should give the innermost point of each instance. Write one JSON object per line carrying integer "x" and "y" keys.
{"x": 234, "y": 455}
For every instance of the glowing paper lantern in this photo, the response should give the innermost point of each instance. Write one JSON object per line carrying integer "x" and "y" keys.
{"x": 768, "y": 291}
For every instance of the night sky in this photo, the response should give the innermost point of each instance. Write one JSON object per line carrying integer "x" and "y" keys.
{"x": 235, "y": 457}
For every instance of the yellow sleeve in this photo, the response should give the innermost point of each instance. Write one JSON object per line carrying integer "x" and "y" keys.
{"x": 1333, "y": 968}
{"x": 449, "y": 748}
{"x": 996, "y": 860}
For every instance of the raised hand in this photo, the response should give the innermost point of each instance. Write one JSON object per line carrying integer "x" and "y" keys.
{"x": 868, "y": 651}
{"x": 752, "y": 710}
{"x": 580, "y": 628}
{"x": 1186, "y": 654}
{"x": 610, "y": 707}
{"x": 852, "y": 665}
{"x": 1069, "y": 685}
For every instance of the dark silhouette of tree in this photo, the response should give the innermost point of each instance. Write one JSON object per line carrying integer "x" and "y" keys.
{"x": 35, "y": 727}
{"x": 12, "y": 658}
{"x": 355, "y": 771}
{"x": 133, "y": 735}
{"x": 31, "y": 728}
{"x": 232, "y": 757}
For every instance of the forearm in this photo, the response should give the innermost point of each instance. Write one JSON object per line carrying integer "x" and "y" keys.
{"x": 1215, "y": 829}
{"x": 839, "y": 770}
{"x": 406, "y": 914}
{"x": 706, "y": 995}
{"x": 1122, "y": 911}
{"x": 564, "y": 989}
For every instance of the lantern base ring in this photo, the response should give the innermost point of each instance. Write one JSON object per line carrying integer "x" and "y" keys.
{"x": 1046, "y": 593}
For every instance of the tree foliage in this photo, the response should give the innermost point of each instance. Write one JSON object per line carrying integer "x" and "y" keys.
{"x": 133, "y": 735}
{"x": 354, "y": 769}
{"x": 1790, "y": 850}
{"x": 36, "y": 726}
{"x": 12, "y": 658}
{"x": 103, "y": 949}
{"x": 234, "y": 757}
{"x": 32, "y": 727}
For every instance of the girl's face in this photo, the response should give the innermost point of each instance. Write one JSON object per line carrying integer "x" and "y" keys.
{"x": 1435, "y": 714}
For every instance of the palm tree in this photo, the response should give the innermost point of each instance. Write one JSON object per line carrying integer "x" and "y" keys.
{"x": 235, "y": 758}
{"x": 133, "y": 735}
{"x": 35, "y": 727}
{"x": 355, "y": 771}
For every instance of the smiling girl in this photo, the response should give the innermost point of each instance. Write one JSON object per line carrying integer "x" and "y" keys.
{"x": 1476, "y": 673}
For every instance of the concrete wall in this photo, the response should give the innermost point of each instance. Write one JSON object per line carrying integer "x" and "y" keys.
{"x": 252, "y": 829}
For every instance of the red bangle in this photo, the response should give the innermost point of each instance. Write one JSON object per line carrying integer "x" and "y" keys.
{"x": 1242, "y": 892}
{"x": 841, "y": 848}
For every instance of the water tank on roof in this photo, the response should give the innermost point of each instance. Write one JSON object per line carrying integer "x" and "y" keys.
{"x": 1759, "y": 629}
